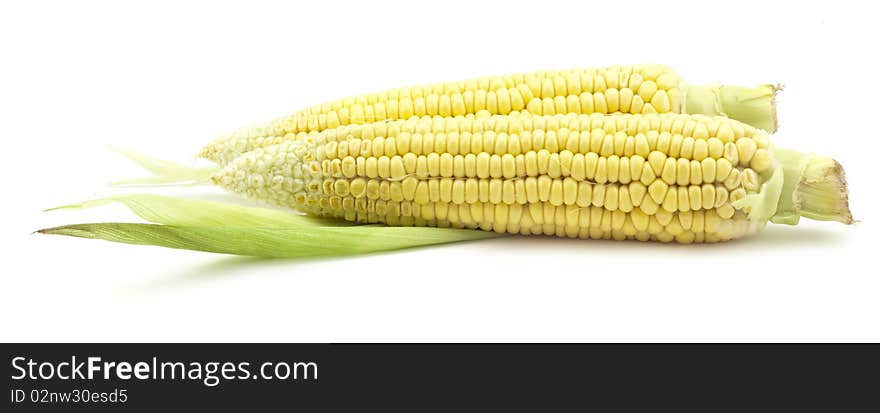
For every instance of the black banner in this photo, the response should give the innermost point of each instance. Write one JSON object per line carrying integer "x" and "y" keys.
{"x": 415, "y": 377}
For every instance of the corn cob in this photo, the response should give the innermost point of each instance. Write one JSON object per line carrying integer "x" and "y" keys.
{"x": 664, "y": 177}
{"x": 638, "y": 89}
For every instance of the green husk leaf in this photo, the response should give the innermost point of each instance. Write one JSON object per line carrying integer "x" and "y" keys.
{"x": 272, "y": 242}
{"x": 755, "y": 106}
{"x": 763, "y": 204}
{"x": 165, "y": 172}
{"x": 191, "y": 212}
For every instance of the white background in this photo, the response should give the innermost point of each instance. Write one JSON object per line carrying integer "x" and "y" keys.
{"x": 166, "y": 77}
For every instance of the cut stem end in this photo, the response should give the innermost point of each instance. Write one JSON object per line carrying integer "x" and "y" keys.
{"x": 815, "y": 187}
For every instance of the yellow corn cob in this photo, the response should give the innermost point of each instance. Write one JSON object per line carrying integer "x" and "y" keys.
{"x": 688, "y": 178}
{"x": 638, "y": 89}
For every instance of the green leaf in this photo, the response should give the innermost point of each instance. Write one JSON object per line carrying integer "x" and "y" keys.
{"x": 166, "y": 172}
{"x": 192, "y": 212}
{"x": 273, "y": 242}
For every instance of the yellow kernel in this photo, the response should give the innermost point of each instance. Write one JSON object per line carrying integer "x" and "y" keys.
{"x": 612, "y": 100}
{"x": 624, "y": 199}
{"x": 408, "y": 188}
{"x": 624, "y": 174}
{"x": 761, "y": 161}
{"x": 598, "y": 195}
{"x": 495, "y": 170}
{"x": 683, "y": 172}
{"x": 647, "y": 90}
{"x": 750, "y": 180}
{"x": 625, "y": 100}
{"x": 669, "y": 169}
{"x": 611, "y": 197}
{"x": 348, "y": 167}
{"x": 746, "y": 148}
{"x": 734, "y": 179}
{"x": 657, "y": 190}
{"x": 471, "y": 191}
{"x": 357, "y": 187}
{"x": 601, "y": 171}
{"x": 708, "y": 196}
{"x": 660, "y": 101}
{"x": 737, "y": 194}
{"x": 687, "y": 148}
{"x": 683, "y": 199}
{"x": 647, "y": 175}
{"x": 640, "y": 220}
{"x": 508, "y": 166}
{"x": 599, "y": 104}
{"x": 670, "y": 202}
{"x": 482, "y": 165}
{"x": 667, "y": 81}
{"x": 544, "y": 187}
{"x": 637, "y": 192}
{"x": 731, "y": 153}
{"x": 397, "y": 170}
{"x": 372, "y": 169}
{"x": 569, "y": 191}
{"x": 721, "y": 196}
{"x": 663, "y": 217}
{"x": 635, "y": 81}
{"x": 695, "y": 197}
{"x": 585, "y": 194}
{"x": 648, "y": 206}
{"x": 613, "y": 168}
{"x": 641, "y": 145}
{"x": 578, "y": 167}
{"x": 657, "y": 160}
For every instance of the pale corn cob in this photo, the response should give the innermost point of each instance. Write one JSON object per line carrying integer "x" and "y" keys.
{"x": 687, "y": 178}
{"x": 638, "y": 89}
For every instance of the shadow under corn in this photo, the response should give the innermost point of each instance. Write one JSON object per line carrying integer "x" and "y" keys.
{"x": 229, "y": 266}
{"x": 773, "y": 238}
